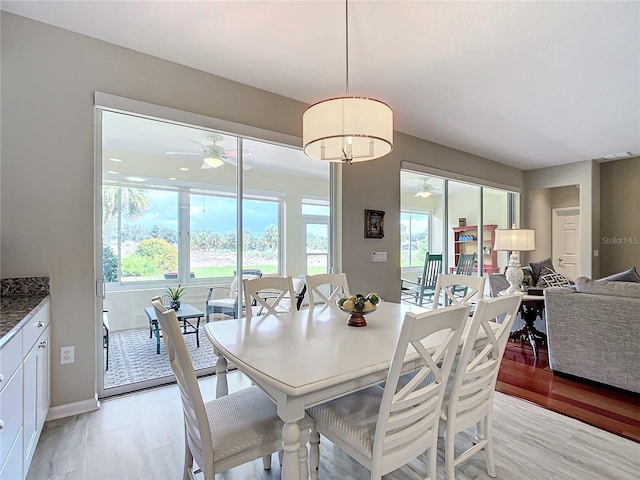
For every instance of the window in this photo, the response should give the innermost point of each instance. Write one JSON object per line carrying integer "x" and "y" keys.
{"x": 142, "y": 240}
{"x": 415, "y": 238}
{"x": 315, "y": 214}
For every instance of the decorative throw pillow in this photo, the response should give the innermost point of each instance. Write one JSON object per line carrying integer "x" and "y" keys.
{"x": 630, "y": 275}
{"x": 549, "y": 278}
{"x": 536, "y": 268}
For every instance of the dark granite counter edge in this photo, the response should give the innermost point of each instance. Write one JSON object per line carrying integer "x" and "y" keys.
{"x": 24, "y": 321}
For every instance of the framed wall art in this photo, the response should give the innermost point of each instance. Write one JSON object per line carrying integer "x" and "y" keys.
{"x": 373, "y": 224}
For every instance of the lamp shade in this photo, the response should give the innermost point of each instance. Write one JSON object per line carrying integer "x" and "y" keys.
{"x": 347, "y": 129}
{"x": 518, "y": 240}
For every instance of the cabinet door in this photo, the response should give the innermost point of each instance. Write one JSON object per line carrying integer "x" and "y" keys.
{"x": 12, "y": 468}
{"x": 42, "y": 379}
{"x": 11, "y": 415}
{"x": 36, "y": 394}
{"x": 30, "y": 429}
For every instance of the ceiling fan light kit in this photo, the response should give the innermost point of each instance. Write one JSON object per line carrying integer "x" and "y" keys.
{"x": 424, "y": 190}
{"x": 347, "y": 129}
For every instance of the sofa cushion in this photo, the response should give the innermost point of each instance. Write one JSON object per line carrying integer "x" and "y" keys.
{"x": 536, "y": 268}
{"x": 549, "y": 278}
{"x": 630, "y": 275}
{"x": 616, "y": 289}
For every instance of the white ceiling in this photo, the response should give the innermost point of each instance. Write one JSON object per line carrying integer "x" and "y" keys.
{"x": 529, "y": 84}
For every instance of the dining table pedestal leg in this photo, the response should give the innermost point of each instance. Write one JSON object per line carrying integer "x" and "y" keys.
{"x": 222, "y": 387}
{"x": 290, "y": 447}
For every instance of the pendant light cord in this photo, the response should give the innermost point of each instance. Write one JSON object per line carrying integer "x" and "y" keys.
{"x": 346, "y": 36}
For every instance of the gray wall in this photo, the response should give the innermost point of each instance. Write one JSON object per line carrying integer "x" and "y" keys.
{"x": 537, "y": 204}
{"x": 47, "y": 192}
{"x": 620, "y": 226}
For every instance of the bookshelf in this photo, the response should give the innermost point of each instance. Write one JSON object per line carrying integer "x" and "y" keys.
{"x": 465, "y": 240}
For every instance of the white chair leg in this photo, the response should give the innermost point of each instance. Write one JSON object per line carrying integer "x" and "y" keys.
{"x": 491, "y": 467}
{"x": 266, "y": 462}
{"x": 449, "y": 454}
{"x": 433, "y": 462}
{"x": 188, "y": 459}
{"x": 314, "y": 454}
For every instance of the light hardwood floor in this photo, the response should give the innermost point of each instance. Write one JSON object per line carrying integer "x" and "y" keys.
{"x": 139, "y": 436}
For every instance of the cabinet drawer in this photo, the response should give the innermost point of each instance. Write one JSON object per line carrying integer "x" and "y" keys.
{"x": 34, "y": 328}
{"x": 13, "y": 467}
{"x": 10, "y": 414}
{"x": 10, "y": 358}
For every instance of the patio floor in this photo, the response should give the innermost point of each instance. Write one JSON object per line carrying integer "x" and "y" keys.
{"x": 133, "y": 357}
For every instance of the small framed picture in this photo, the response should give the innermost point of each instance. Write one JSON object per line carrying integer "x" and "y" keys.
{"x": 373, "y": 224}
{"x": 462, "y": 222}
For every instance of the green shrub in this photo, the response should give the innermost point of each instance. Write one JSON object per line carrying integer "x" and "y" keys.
{"x": 153, "y": 255}
{"x": 109, "y": 265}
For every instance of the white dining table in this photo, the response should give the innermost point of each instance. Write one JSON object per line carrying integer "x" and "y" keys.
{"x": 308, "y": 357}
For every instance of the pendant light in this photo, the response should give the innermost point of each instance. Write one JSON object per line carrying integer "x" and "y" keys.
{"x": 347, "y": 129}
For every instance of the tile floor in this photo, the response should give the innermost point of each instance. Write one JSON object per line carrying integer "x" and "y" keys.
{"x": 139, "y": 436}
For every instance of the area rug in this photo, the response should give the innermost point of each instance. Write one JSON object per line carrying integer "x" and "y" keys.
{"x": 133, "y": 357}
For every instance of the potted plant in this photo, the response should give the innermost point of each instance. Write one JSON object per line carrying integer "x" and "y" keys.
{"x": 175, "y": 294}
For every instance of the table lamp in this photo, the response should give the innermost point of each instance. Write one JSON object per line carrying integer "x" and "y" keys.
{"x": 515, "y": 240}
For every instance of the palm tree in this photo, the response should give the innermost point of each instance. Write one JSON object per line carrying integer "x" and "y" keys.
{"x": 130, "y": 201}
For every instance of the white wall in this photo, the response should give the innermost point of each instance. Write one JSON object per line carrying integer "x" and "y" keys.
{"x": 47, "y": 191}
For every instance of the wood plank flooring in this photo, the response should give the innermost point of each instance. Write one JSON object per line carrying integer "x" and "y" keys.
{"x": 610, "y": 409}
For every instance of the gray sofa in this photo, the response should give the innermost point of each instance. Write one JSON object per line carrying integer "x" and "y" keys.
{"x": 594, "y": 331}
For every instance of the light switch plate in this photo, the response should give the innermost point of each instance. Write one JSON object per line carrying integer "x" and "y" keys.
{"x": 379, "y": 257}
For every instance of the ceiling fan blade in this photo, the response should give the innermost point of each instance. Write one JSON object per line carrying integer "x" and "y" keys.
{"x": 183, "y": 153}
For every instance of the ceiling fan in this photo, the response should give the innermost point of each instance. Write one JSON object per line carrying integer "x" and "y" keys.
{"x": 215, "y": 155}
{"x": 424, "y": 190}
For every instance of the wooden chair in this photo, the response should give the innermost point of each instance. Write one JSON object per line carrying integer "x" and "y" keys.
{"x": 230, "y": 430}
{"x": 268, "y": 295}
{"x": 469, "y": 399}
{"x": 466, "y": 262}
{"x": 318, "y": 286}
{"x": 415, "y": 292}
{"x": 385, "y": 428}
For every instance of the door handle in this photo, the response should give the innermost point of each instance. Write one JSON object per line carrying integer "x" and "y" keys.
{"x": 559, "y": 260}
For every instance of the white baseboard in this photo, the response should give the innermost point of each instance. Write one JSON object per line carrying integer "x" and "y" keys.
{"x": 75, "y": 408}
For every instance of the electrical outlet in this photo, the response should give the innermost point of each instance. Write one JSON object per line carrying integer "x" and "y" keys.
{"x": 67, "y": 355}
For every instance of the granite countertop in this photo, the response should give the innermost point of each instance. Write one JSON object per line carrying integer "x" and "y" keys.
{"x": 21, "y": 299}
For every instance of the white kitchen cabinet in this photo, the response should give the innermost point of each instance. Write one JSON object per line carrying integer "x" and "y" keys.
{"x": 36, "y": 393}
{"x": 24, "y": 393}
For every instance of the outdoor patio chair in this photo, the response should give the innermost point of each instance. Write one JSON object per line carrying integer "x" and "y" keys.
{"x": 424, "y": 287}
{"x": 227, "y": 305}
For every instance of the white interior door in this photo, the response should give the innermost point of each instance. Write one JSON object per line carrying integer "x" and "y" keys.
{"x": 565, "y": 248}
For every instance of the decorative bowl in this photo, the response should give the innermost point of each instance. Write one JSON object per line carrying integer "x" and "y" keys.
{"x": 356, "y": 319}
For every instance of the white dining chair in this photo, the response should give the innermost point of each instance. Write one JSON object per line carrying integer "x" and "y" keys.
{"x": 326, "y": 288}
{"x": 268, "y": 295}
{"x": 231, "y": 430}
{"x": 469, "y": 398}
{"x": 453, "y": 289}
{"x": 385, "y": 428}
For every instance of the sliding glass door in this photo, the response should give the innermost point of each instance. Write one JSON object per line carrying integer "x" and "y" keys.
{"x": 184, "y": 205}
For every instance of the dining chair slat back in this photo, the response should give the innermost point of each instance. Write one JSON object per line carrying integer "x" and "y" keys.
{"x": 318, "y": 285}
{"x": 469, "y": 399}
{"x": 268, "y": 295}
{"x": 230, "y": 430}
{"x": 455, "y": 289}
{"x": 385, "y": 428}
